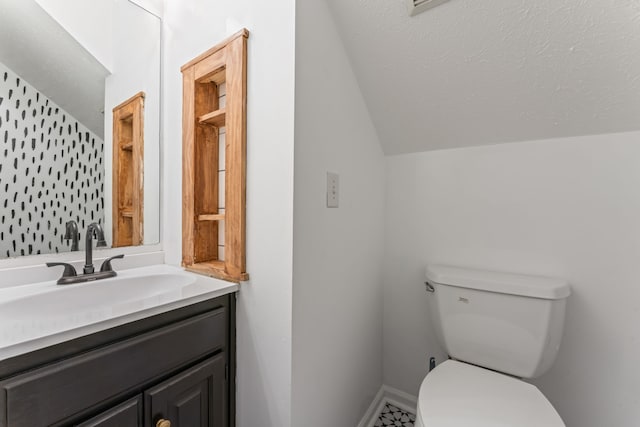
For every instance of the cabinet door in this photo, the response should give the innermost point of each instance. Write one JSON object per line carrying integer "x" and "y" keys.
{"x": 195, "y": 398}
{"x": 127, "y": 414}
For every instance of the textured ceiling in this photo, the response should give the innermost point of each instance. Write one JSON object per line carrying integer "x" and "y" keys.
{"x": 473, "y": 72}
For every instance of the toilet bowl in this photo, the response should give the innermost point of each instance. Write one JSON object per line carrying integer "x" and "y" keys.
{"x": 457, "y": 394}
{"x": 496, "y": 328}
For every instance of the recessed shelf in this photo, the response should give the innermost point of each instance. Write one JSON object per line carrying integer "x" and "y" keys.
{"x": 214, "y": 166}
{"x": 127, "y": 171}
{"x": 215, "y": 118}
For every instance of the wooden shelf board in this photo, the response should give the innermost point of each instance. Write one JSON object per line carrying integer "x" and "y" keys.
{"x": 218, "y": 77}
{"x": 127, "y": 213}
{"x": 215, "y": 118}
{"x": 211, "y": 217}
{"x": 215, "y": 269}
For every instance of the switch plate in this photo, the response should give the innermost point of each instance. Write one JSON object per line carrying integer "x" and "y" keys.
{"x": 333, "y": 189}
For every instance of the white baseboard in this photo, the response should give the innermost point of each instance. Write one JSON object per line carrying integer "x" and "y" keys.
{"x": 373, "y": 410}
{"x": 402, "y": 400}
{"x": 393, "y": 396}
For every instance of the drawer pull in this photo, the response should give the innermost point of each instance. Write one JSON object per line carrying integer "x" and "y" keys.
{"x": 163, "y": 423}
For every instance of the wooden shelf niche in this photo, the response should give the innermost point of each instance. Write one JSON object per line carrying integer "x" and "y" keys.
{"x": 214, "y": 160}
{"x": 128, "y": 174}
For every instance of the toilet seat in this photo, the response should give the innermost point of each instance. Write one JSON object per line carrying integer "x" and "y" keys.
{"x": 457, "y": 394}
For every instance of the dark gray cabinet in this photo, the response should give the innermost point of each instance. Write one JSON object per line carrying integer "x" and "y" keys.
{"x": 194, "y": 398}
{"x": 178, "y": 366}
{"x": 127, "y": 414}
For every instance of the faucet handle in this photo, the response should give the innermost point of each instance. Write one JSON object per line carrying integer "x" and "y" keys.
{"x": 69, "y": 270}
{"x": 106, "y": 264}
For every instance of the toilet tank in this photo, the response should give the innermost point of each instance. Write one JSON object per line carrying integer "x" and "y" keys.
{"x": 509, "y": 323}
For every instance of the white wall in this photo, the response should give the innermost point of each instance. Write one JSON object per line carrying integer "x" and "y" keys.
{"x": 89, "y": 22}
{"x": 562, "y": 207}
{"x": 337, "y": 292}
{"x": 135, "y": 69}
{"x": 264, "y": 303}
{"x": 155, "y": 7}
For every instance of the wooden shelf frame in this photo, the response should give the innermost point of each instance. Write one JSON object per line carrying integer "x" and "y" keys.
{"x": 202, "y": 118}
{"x": 128, "y": 172}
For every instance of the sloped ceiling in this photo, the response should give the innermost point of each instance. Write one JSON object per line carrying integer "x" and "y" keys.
{"x": 38, "y": 49}
{"x": 475, "y": 72}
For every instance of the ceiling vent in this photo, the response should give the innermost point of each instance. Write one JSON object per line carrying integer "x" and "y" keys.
{"x": 417, "y": 6}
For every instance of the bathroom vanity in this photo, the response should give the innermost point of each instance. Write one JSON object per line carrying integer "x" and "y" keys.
{"x": 174, "y": 365}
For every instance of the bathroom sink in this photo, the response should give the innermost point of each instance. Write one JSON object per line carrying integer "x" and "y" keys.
{"x": 44, "y": 313}
{"x": 91, "y": 297}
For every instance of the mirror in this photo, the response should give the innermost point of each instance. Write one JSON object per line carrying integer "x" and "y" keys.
{"x": 64, "y": 66}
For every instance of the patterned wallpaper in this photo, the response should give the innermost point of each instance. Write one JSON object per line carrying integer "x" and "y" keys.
{"x": 51, "y": 171}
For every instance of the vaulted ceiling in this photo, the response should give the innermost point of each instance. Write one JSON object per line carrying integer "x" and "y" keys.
{"x": 34, "y": 46}
{"x": 476, "y": 72}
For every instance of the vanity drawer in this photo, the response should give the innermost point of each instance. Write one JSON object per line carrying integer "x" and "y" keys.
{"x": 127, "y": 414}
{"x": 56, "y": 392}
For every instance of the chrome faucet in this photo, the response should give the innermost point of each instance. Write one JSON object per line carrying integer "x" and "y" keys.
{"x": 70, "y": 275}
{"x": 94, "y": 230}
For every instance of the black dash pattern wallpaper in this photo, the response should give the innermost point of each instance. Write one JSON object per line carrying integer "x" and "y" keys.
{"x": 51, "y": 171}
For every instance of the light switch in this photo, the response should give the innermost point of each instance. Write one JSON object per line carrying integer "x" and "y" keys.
{"x": 333, "y": 189}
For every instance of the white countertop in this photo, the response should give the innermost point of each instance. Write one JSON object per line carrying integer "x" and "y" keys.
{"x": 39, "y": 315}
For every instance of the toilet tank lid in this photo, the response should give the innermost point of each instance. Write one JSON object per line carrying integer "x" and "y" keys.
{"x": 504, "y": 283}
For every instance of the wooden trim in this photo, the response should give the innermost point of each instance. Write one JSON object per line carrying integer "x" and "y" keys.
{"x": 140, "y": 94}
{"x": 236, "y": 154}
{"x": 211, "y": 69}
{"x": 242, "y": 33}
{"x": 188, "y": 164}
{"x": 128, "y": 172}
{"x": 216, "y": 76}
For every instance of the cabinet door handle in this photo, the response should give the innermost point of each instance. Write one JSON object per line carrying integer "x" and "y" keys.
{"x": 163, "y": 423}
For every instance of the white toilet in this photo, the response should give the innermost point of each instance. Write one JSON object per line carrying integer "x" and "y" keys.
{"x": 496, "y": 328}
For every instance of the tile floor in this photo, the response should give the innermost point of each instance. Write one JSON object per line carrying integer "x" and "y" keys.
{"x": 395, "y": 417}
